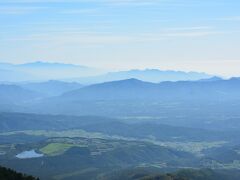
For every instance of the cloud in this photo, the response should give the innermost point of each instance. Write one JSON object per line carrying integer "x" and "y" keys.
{"x": 31, "y": 6}
{"x": 70, "y": 1}
{"x": 192, "y": 34}
{"x": 106, "y": 38}
{"x": 193, "y": 28}
{"x": 105, "y": 2}
{"x": 16, "y": 10}
{"x": 233, "y": 18}
{"x": 88, "y": 11}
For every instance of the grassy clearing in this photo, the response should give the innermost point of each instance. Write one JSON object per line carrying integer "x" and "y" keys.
{"x": 75, "y": 173}
{"x": 54, "y": 149}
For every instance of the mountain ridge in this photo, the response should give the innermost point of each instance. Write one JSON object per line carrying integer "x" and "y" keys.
{"x": 51, "y": 87}
{"x": 150, "y": 75}
{"x": 133, "y": 88}
{"x": 42, "y": 71}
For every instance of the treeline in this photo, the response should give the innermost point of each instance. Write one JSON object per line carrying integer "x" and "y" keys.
{"x": 9, "y": 174}
{"x": 185, "y": 174}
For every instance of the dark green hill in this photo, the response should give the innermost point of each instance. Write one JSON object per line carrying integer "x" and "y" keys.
{"x": 9, "y": 174}
{"x": 185, "y": 174}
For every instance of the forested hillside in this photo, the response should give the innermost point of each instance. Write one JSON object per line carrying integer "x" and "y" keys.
{"x": 9, "y": 174}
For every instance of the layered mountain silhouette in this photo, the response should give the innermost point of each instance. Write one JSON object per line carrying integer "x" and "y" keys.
{"x": 136, "y": 89}
{"x": 150, "y": 75}
{"x": 52, "y": 87}
{"x": 118, "y": 97}
{"x": 13, "y": 94}
{"x": 130, "y": 89}
{"x": 40, "y": 71}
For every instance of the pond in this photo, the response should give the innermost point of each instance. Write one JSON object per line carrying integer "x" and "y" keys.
{"x": 28, "y": 154}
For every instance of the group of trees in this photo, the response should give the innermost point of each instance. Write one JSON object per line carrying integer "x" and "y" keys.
{"x": 9, "y": 174}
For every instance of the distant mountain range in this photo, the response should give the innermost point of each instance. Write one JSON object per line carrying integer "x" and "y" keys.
{"x": 132, "y": 97}
{"x": 133, "y": 89}
{"x": 39, "y": 71}
{"x": 13, "y": 94}
{"x": 52, "y": 87}
{"x": 29, "y": 92}
{"x": 214, "y": 78}
{"x": 43, "y": 71}
{"x": 150, "y": 75}
{"x": 130, "y": 89}
{"x": 40, "y": 64}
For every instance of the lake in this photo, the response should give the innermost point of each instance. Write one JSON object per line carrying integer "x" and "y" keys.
{"x": 28, "y": 154}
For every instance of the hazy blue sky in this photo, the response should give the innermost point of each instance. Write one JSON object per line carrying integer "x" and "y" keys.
{"x": 200, "y": 35}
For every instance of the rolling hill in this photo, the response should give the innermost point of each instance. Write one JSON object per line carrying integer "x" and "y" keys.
{"x": 167, "y": 101}
{"x": 52, "y": 87}
{"x": 13, "y": 94}
{"x": 131, "y": 89}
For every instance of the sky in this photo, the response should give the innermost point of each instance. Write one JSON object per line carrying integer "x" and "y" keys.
{"x": 189, "y": 35}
